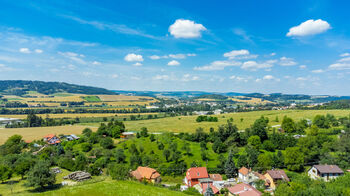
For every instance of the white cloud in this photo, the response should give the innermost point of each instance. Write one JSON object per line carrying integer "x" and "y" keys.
{"x": 188, "y": 77}
{"x": 309, "y": 27}
{"x": 154, "y": 57}
{"x": 114, "y": 75}
{"x": 346, "y": 59}
{"x": 177, "y": 56}
{"x": 135, "y": 78}
{"x": 318, "y": 71}
{"x": 133, "y": 57}
{"x": 173, "y": 63}
{"x": 268, "y": 77}
{"x": 161, "y": 77}
{"x": 218, "y": 65}
{"x": 284, "y": 61}
{"x": 96, "y": 63}
{"x": 39, "y": 51}
{"x": 340, "y": 66}
{"x": 73, "y": 56}
{"x": 239, "y": 78}
{"x": 239, "y": 54}
{"x": 191, "y": 54}
{"x": 273, "y": 54}
{"x": 24, "y": 50}
{"x": 301, "y": 79}
{"x": 253, "y": 65}
{"x": 302, "y": 67}
{"x": 186, "y": 29}
{"x": 137, "y": 64}
{"x": 345, "y": 54}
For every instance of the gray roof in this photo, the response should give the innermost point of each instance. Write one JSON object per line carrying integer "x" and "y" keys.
{"x": 328, "y": 169}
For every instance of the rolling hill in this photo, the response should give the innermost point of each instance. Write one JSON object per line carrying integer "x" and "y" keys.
{"x": 22, "y": 87}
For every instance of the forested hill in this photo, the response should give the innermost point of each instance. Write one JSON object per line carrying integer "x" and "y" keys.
{"x": 21, "y": 87}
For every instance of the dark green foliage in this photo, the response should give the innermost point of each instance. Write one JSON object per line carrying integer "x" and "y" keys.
{"x": 207, "y": 118}
{"x": 230, "y": 167}
{"x": 119, "y": 156}
{"x": 5, "y": 173}
{"x": 294, "y": 159}
{"x": 13, "y": 145}
{"x": 259, "y": 128}
{"x": 144, "y": 132}
{"x": 321, "y": 121}
{"x": 23, "y": 165}
{"x": 40, "y": 175}
{"x": 288, "y": 125}
{"x": 86, "y": 147}
{"x": 242, "y": 161}
{"x": 107, "y": 143}
{"x": 118, "y": 171}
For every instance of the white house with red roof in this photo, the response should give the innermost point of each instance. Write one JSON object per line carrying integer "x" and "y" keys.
{"x": 194, "y": 174}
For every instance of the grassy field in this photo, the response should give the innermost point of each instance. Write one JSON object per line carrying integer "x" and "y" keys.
{"x": 91, "y": 98}
{"x": 189, "y": 124}
{"x": 33, "y": 133}
{"x": 71, "y": 115}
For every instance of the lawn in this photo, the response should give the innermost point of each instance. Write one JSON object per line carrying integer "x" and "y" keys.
{"x": 33, "y": 133}
{"x": 92, "y": 98}
{"x": 242, "y": 120}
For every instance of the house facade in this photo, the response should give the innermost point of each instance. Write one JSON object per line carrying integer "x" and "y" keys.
{"x": 273, "y": 176}
{"x": 146, "y": 173}
{"x": 52, "y": 139}
{"x": 247, "y": 175}
{"x": 194, "y": 174}
{"x": 325, "y": 172}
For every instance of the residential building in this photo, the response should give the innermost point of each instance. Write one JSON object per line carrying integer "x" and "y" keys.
{"x": 325, "y": 172}
{"x": 146, "y": 173}
{"x": 127, "y": 135}
{"x": 273, "y": 176}
{"x": 215, "y": 177}
{"x": 194, "y": 174}
{"x": 52, "y": 139}
{"x": 243, "y": 189}
{"x": 247, "y": 175}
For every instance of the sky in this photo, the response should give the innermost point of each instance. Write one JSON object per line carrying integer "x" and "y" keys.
{"x": 272, "y": 46}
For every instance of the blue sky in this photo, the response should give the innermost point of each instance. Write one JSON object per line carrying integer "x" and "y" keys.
{"x": 219, "y": 46}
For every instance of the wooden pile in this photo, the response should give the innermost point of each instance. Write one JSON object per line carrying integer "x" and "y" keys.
{"x": 78, "y": 176}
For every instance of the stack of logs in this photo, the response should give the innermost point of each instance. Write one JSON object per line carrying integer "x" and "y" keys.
{"x": 78, "y": 176}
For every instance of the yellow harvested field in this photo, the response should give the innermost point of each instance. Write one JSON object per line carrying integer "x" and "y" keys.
{"x": 82, "y": 115}
{"x": 250, "y": 101}
{"x": 125, "y": 98}
{"x": 75, "y": 98}
{"x": 34, "y": 133}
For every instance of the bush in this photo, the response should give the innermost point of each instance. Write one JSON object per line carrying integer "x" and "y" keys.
{"x": 118, "y": 171}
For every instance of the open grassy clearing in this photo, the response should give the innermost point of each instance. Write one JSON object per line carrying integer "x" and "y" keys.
{"x": 33, "y": 133}
{"x": 242, "y": 99}
{"x": 189, "y": 124}
{"x": 124, "y": 98}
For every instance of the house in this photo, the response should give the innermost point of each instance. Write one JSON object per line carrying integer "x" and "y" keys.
{"x": 194, "y": 174}
{"x": 205, "y": 183}
{"x": 146, "y": 173}
{"x": 247, "y": 175}
{"x": 273, "y": 176}
{"x": 325, "y": 172}
{"x": 243, "y": 189}
{"x": 52, "y": 139}
{"x": 215, "y": 177}
{"x": 127, "y": 135}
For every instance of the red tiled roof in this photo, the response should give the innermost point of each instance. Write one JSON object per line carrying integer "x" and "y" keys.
{"x": 145, "y": 172}
{"x": 215, "y": 177}
{"x": 244, "y": 171}
{"x": 244, "y": 190}
{"x": 278, "y": 175}
{"x": 49, "y": 136}
{"x": 197, "y": 173}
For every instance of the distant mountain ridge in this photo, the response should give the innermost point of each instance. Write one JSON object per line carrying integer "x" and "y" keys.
{"x": 21, "y": 87}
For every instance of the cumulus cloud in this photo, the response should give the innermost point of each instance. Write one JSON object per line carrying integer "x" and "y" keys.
{"x": 284, "y": 61}
{"x": 154, "y": 57}
{"x": 161, "y": 77}
{"x": 302, "y": 67}
{"x": 239, "y": 54}
{"x": 173, "y": 63}
{"x": 186, "y": 29}
{"x": 39, "y": 51}
{"x": 239, "y": 78}
{"x": 137, "y": 64}
{"x": 177, "y": 56}
{"x": 218, "y": 65}
{"x": 318, "y": 71}
{"x": 133, "y": 57}
{"x": 341, "y": 64}
{"x": 268, "y": 77}
{"x": 345, "y": 54}
{"x": 309, "y": 27}
{"x": 188, "y": 77}
{"x": 24, "y": 50}
{"x": 253, "y": 65}
{"x": 96, "y": 63}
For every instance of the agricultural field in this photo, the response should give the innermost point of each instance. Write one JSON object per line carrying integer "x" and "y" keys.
{"x": 76, "y": 115}
{"x": 248, "y": 100}
{"x": 33, "y": 133}
{"x": 189, "y": 124}
{"x": 32, "y": 98}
